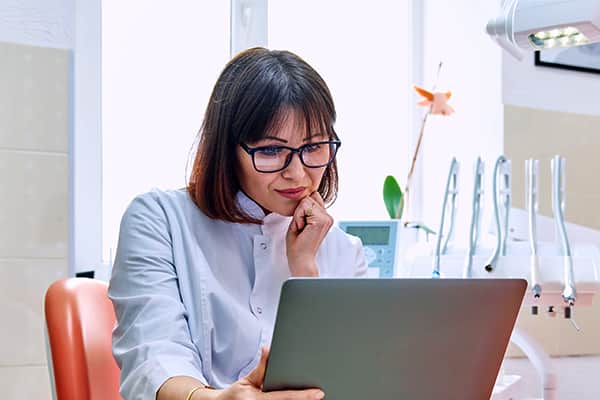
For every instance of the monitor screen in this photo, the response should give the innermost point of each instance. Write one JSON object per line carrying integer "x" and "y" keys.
{"x": 371, "y": 235}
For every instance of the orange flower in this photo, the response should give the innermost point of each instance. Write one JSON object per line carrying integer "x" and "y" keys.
{"x": 437, "y": 101}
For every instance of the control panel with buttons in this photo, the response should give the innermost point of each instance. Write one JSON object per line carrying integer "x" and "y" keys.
{"x": 380, "y": 243}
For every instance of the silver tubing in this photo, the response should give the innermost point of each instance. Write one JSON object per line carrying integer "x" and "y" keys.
{"x": 532, "y": 205}
{"x": 505, "y": 192}
{"x": 451, "y": 192}
{"x": 501, "y": 169}
{"x": 475, "y": 226}
{"x": 569, "y": 293}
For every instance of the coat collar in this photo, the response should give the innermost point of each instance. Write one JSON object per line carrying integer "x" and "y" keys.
{"x": 272, "y": 223}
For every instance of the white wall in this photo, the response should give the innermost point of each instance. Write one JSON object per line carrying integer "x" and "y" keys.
{"x": 455, "y": 34}
{"x": 155, "y": 87}
{"x": 53, "y": 23}
{"x": 48, "y": 23}
{"x": 527, "y": 85}
{"x": 368, "y": 72}
{"x": 35, "y": 61}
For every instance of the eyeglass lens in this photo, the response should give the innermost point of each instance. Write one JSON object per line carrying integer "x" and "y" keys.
{"x": 312, "y": 155}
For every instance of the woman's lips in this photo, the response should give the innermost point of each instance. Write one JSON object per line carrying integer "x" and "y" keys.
{"x": 292, "y": 194}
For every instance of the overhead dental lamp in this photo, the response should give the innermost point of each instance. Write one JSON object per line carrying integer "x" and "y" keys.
{"x": 544, "y": 24}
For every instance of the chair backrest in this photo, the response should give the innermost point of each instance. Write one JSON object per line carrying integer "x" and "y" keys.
{"x": 79, "y": 321}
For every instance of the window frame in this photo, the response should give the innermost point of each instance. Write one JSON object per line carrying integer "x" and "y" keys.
{"x": 85, "y": 136}
{"x": 85, "y": 141}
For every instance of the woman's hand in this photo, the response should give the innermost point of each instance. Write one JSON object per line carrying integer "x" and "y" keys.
{"x": 310, "y": 223}
{"x": 249, "y": 388}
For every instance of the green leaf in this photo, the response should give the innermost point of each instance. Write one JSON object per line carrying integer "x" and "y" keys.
{"x": 393, "y": 197}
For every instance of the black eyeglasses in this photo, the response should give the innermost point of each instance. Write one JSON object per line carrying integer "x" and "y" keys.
{"x": 276, "y": 158}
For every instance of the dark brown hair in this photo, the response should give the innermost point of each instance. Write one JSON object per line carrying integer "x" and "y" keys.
{"x": 248, "y": 101}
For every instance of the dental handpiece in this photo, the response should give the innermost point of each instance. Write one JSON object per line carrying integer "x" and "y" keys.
{"x": 475, "y": 226}
{"x": 502, "y": 172}
{"x": 450, "y": 193}
{"x": 532, "y": 202}
{"x": 453, "y": 194}
{"x": 569, "y": 293}
{"x": 506, "y": 193}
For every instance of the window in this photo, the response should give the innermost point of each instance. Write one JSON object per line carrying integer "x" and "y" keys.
{"x": 160, "y": 60}
{"x": 362, "y": 52}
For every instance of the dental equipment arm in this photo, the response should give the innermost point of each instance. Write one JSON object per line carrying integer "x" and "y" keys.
{"x": 532, "y": 203}
{"x": 502, "y": 171}
{"x": 451, "y": 191}
{"x": 528, "y": 25}
{"x": 569, "y": 293}
{"x": 475, "y": 216}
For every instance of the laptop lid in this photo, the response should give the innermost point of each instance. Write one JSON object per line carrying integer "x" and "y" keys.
{"x": 393, "y": 338}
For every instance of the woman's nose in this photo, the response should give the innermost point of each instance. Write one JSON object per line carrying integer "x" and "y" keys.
{"x": 295, "y": 168}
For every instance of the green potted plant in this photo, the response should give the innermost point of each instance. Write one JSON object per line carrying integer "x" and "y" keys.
{"x": 394, "y": 198}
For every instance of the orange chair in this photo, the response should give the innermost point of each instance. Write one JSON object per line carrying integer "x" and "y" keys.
{"x": 79, "y": 322}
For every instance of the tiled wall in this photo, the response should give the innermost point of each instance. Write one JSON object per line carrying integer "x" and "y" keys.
{"x": 34, "y": 124}
{"x": 540, "y": 134}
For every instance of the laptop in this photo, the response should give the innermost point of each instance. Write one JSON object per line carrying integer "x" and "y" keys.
{"x": 418, "y": 339}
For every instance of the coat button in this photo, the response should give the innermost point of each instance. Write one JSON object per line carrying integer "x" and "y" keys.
{"x": 263, "y": 246}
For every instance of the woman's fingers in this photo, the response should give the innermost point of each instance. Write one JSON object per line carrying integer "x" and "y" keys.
{"x": 310, "y": 211}
{"x": 309, "y": 394}
{"x": 257, "y": 375}
{"x": 319, "y": 209}
{"x": 305, "y": 208}
{"x": 298, "y": 220}
{"x": 309, "y": 226}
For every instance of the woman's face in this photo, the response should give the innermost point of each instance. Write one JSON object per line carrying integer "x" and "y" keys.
{"x": 281, "y": 191}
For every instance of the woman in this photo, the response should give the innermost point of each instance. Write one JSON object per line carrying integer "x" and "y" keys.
{"x": 198, "y": 271}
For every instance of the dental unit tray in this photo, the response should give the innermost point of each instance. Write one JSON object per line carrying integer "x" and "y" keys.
{"x": 586, "y": 265}
{"x": 560, "y": 274}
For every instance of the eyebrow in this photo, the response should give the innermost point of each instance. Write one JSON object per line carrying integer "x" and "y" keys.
{"x": 285, "y": 141}
{"x": 275, "y": 138}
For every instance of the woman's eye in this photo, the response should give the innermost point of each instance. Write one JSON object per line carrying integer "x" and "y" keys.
{"x": 312, "y": 147}
{"x": 270, "y": 151}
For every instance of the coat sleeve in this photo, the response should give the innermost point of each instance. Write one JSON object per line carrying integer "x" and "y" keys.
{"x": 152, "y": 340}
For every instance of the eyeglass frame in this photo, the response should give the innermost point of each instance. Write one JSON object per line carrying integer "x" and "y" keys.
{"x": 293, "y": 150}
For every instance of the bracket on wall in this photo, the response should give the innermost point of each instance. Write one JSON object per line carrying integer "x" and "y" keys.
{"x": 249, "y": 25}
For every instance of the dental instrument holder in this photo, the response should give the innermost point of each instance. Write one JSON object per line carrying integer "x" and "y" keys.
{"x": 451, "y": 192}
{"x": 569, "y": 293}
{"x": 502, "y": 173}
{"x": 475, "y": 226}
{"x": 532, "y": 206}
{"x": 552, "y": 272}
